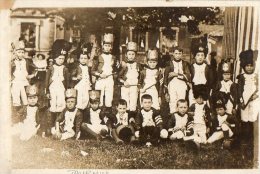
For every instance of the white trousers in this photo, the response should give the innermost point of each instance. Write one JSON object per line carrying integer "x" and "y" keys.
{"x": 200, "y": 133}
{"x": 18, "y": 93}
{"x": 82, "y": 94}
{"x": 177, "y": 135}
{"x": 57, "y": 93}
{"x": 97, "y": 127}
{"x": 130, "y": 95}
{"x": 107, "y": 89}
{"x": 250, "y": 113}
{"x": 154, "y": 93}
{"x": 25, "y": 130}
{"x": 218, "y": 135}
{"x": 177, "y": 90}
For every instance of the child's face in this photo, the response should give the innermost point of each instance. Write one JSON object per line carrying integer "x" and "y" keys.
{"x": 60, "y": 60}
{"x": 121, "y": 109}
{"x": 20, "y": 54}
{"x": 130, "y": 55}
{"x": 40, "y": 57}
{"x": 249, "y": 68}
{"x": 182, "y": 108}
{"x": 220, "y": 111}
{"x": 200, "y": 57}
{"x": 107, "y": 47}
{"x": 147, "y": 104}
{"x": 71, "y": 103}
{"x": 32, "y": 100}
{"x": 199, "y": 100}
{"x": 226, "y": 76}
{"x": 83, "y": 59}
{"x": 177, "y": 55}
{"x": 94, "y": 105}
{"x": 152, "y": 63}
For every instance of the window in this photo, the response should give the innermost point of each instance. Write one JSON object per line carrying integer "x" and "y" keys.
{"x": 28, "y": 34}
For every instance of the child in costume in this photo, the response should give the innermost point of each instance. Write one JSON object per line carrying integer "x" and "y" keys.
{"x": 67, "y": 124}
{"x": 123, "y": 124}
{"x": 57, "y": 81}
{"x": 22, "y": 70}
{"x": 128, "y": 77}
{"x": 224, "y": 125}
{"x": 176, "y": 77}
{"x": 248, "y": 94}
{"x": 201, "y": 114}
{"x": 29, "y": 116}
{"x": 150, "y": 79}
{"x": 95, "y": 120}
{"x": 149, "y": 124}
{"x": 201, "y": 73}
{"x": 81, "y": 76}
{"x": 180, "y": 123}
{"x": 103, "y": 69}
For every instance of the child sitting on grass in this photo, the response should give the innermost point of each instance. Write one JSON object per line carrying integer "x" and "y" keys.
{"x": 67, "y": 124}
{"x": 180, "y": 123}
{"x": 122, "y": 124}
{"x": 149, "y": 123}
{"x": 95, "y": 119}
{"x": 224, "y": 125}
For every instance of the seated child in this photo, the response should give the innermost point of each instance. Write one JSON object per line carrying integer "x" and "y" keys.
{"x": 224, "y": 125}
{"x": 180, "y": 123}
{"x": 29, "y": 118}
{"x": 95, "y": 119}
{"x": 149, "y": 123}
{"x": 122, "y": 124}
{"x": 67, "y": 124}
{"x": 201, "y": 114}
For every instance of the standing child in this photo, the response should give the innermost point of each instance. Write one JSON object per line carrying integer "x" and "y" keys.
{"x": 29, "y": 116}
{"x": 81, "y": 77}
{"x": 176, "y": 77}
{"x": 201, "y": 114}
{"x": 149, "y": 79}
{"x": 224, "y": 125}
{"x": 103, "y": 68}
{"x": 201, "y": 73}
{"x": 226, "y": 88}
{"x": 128, "y": 76}
{"x": 248, "y": 94}
{"x": 57, "y": 81}
{"x": 180, "y": 123}
{"x": 122, "y": 124}
{"x": 95, "y": 119}
{"x": 149, "y": 123}
{"x": 67, "y": 124}
{"x": 22, "y": 71}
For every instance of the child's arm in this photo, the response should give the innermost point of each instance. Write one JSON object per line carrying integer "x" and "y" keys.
{"x": 66, "y": 78}
{"x": 47, "y": 80}
{"x": 171, "y": 123}
{"x": 77, "y": 122}
{"x": 191, "y": 110}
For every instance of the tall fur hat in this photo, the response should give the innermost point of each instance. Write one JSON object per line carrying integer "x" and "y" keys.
{"x": 199, "y": 48}
{"x": 60, "y": 47}
{"x": 152, "y": 54}
{"x": 200, "y": 91}
{"x": 31, "y": 91}
{"x": 247, "y": 57}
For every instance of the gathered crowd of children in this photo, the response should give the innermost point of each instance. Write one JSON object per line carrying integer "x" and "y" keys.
{"x": 54, "y": 99}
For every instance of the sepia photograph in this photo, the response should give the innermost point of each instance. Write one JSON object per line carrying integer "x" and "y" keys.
{"x": 89, "y": 87}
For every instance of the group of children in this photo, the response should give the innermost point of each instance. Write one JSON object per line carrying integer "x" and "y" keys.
{"x": 80, "y": 101}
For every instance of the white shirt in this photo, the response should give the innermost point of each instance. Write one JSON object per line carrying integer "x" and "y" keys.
{"x": 31, "y": 115}
{"x": 20, "y": 72}
{"x": 222, "y": 119}
{"x": 151, "y": 75}
{"x": 94, "y": 117}
{"x": 132, "y": 73}
{"x": 178, "y": 67}
{"x": 250, "y": 86}
{"x": 58, "y": 73}
{"x": 225, "y": 86}
{"x": 147, "y": 118}
{"x": 181, "y": 121}
{"x": 122, "y": 119}
{"x": 199, "y": 74}
{"x": 40, "y": 63}
{"x": 108, "y": 61}
{"x": 85, "y": 72}
{"x": 69, "y": 119}
{"x": 199, "y": 114}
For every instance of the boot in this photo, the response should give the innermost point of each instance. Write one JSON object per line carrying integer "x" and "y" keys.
{"x": 116, "y": 138}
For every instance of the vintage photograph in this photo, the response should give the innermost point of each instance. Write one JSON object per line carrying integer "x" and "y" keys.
{"x": 134, "y": 87}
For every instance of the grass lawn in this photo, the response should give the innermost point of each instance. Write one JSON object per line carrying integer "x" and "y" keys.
{"x": 108, "y": 155}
